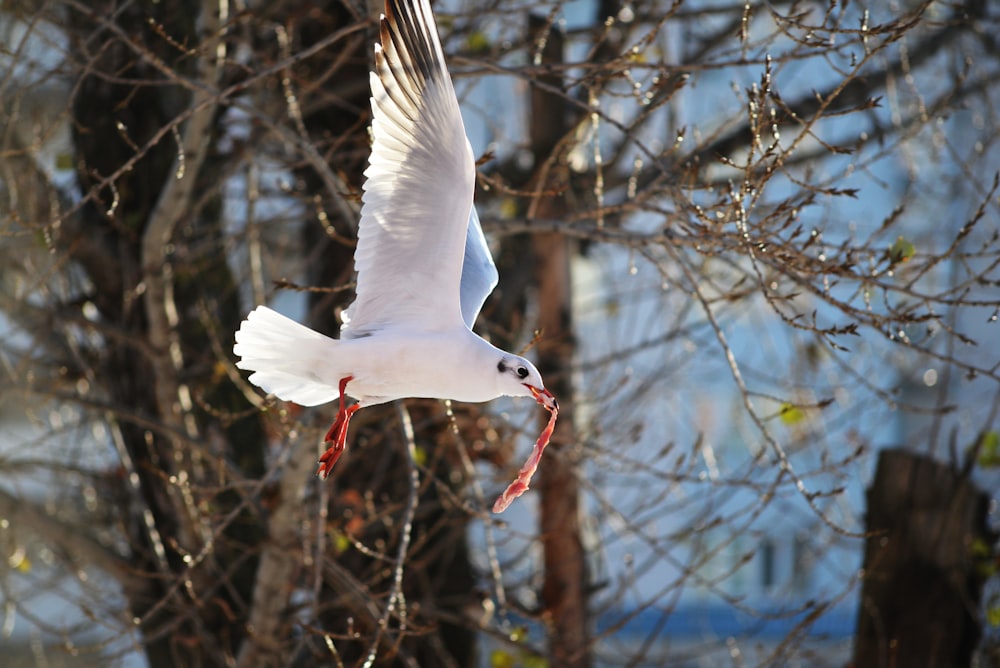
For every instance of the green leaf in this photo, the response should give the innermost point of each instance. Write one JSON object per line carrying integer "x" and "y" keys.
{"x": 983, "y": 558}
{"x": 19, "y": 560}
{"x": 341, "y": 542}
{"x": 980, "y": 549}
{"x": 64, "y": 161}
{"x": 519, "y": 634}
{"x": 478, "y": 42}
{"x": 993, "y": 616}
{"x": 636, "y": 56}
{"x": 989, "y": 450}
{"x": 509, "y": 208}
{"x": 901, "y": 251}
{"x": 419, "y": 455}
{"x": 791, "y": 414}
{"x": 500, "y": 658}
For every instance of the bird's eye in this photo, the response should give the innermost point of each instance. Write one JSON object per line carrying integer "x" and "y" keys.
{"x": 522, "y": 372}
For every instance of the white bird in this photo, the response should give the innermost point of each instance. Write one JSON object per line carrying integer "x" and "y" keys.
{"x": 423, "y": 266}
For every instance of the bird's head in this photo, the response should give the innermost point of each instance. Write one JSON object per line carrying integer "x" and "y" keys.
{"x": 517, "y": 377}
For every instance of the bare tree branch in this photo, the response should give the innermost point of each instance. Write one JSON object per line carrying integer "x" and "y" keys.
{"x": 279, "y": 561}
{"x": 69, "y": 538}
{"x": 175, "y": 201}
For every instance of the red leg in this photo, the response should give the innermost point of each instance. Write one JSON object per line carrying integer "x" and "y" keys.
{"x": 337, "y": 435}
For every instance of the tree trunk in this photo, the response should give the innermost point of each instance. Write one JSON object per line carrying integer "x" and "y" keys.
{"x": 920, "y": 599}
{"x": 564, "y": 590}
{"x": 121, "y": 103}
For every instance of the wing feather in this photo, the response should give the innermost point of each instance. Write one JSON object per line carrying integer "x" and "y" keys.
{"x": 417, "y": 203}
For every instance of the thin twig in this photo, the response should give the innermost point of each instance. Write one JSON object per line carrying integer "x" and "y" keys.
{"x": 396, "y": 591}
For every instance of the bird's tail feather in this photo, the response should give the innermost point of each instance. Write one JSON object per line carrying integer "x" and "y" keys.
{"x": 288, "y": 359}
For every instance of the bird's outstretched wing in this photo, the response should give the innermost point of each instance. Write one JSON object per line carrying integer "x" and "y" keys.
{"x": 413, "y": 235}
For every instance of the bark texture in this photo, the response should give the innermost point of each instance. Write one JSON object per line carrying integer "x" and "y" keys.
{"x": 920, "y": 598}
{"x": 147, "y": 223}
{"x": 564, "y": 589}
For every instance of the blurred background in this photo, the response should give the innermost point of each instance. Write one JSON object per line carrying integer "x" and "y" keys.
{"x": 754, "y": 249}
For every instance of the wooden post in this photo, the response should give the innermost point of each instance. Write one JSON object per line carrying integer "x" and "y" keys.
{"x": 920, "y": 598}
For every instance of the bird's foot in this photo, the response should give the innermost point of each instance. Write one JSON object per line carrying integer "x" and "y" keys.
{"x": 337, "y": 434}
{"x": 328, "y": 459}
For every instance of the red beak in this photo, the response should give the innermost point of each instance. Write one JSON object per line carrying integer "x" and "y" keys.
{"x": 543, "y": 396}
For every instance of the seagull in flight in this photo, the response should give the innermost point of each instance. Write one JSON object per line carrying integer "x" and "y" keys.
{"x": 423, "y": 267}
